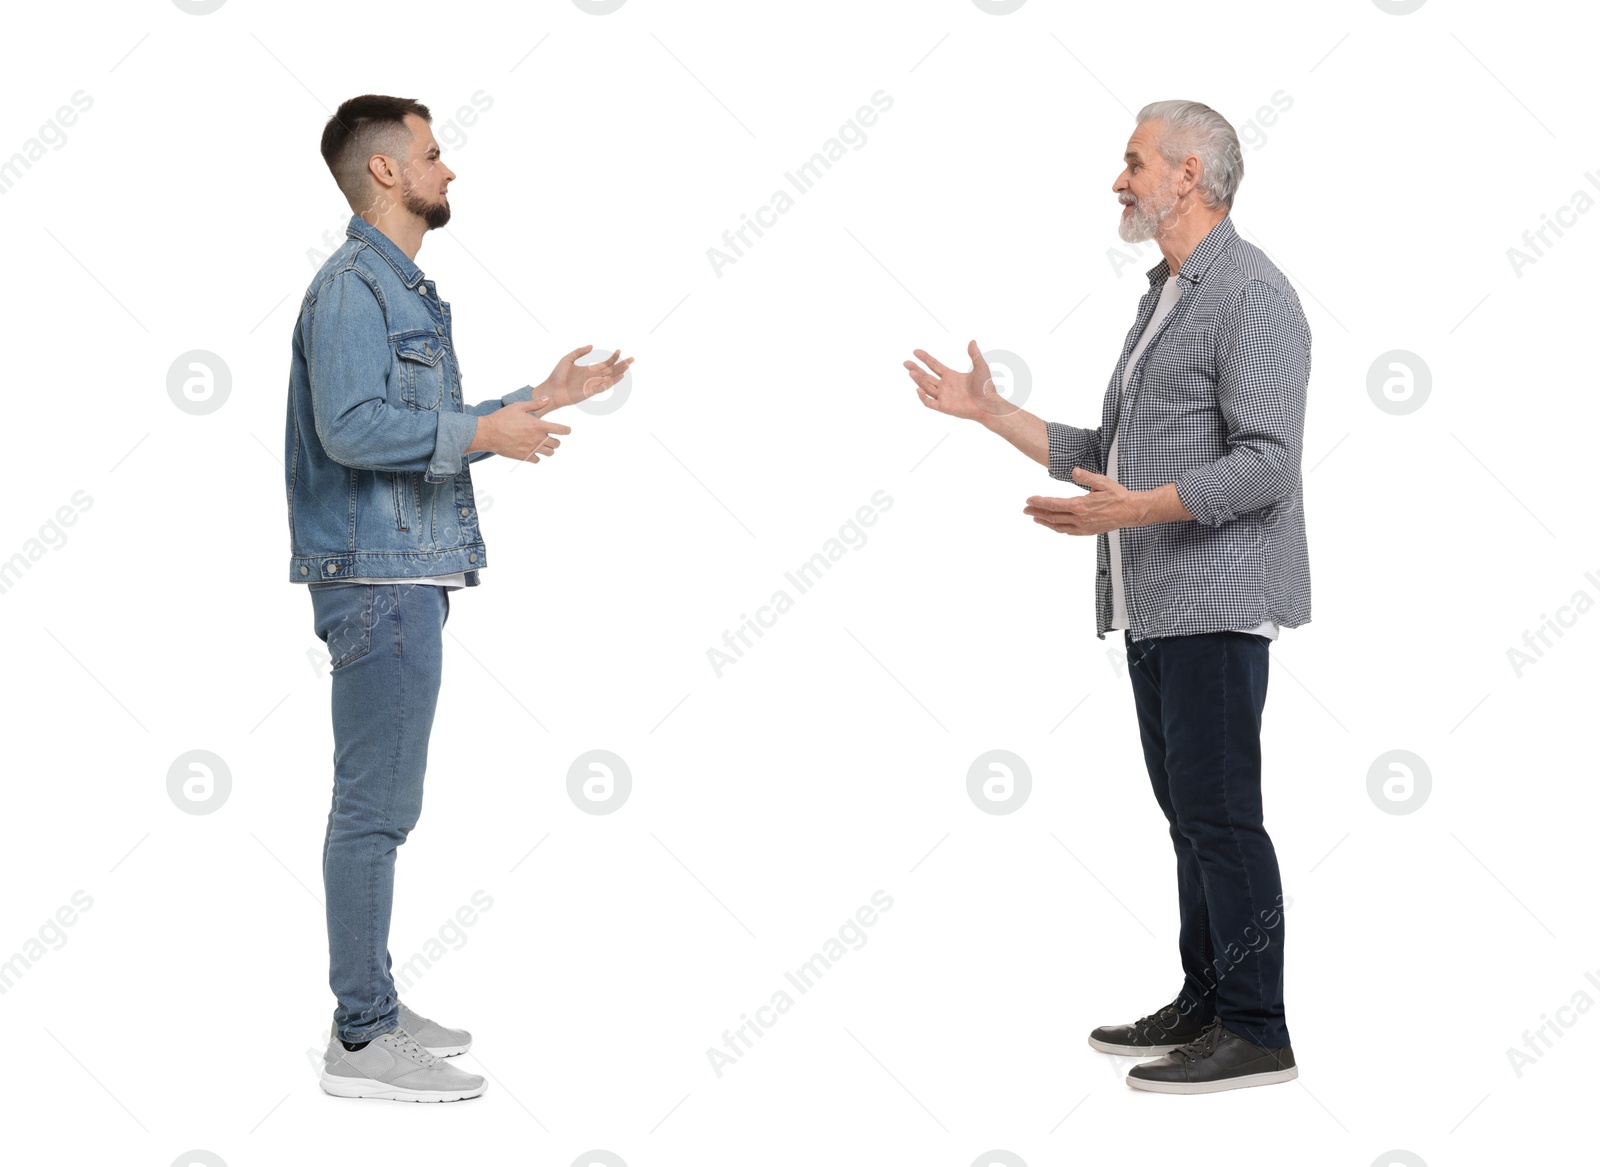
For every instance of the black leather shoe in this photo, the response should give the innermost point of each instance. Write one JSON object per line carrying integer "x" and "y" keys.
{"x": 1157, "y": 1033}
{"x": 1218, "y": 1059}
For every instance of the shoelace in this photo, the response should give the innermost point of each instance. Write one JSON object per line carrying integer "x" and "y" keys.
{"x": 409, "y": 1047}
{"x": 1152, "y": 1023}
{"x": 1206, "y": 1044}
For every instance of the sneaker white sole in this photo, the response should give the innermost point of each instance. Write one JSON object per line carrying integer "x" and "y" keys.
{"x": 1132, "y": 1051}
{"x": 1266, "y": 1079}
{"x": 372, "y": 1088}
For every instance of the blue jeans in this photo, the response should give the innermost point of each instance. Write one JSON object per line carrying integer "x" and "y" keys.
{"x": 384, "y": 641}
{"x": 1199, "y": 700}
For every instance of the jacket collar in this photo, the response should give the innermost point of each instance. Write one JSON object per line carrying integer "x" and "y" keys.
{"x": 409, "y": 273}
{"x": 1218, "y": 240}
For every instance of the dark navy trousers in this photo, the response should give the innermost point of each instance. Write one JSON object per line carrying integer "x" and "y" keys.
{"x": 1199, "y": 700}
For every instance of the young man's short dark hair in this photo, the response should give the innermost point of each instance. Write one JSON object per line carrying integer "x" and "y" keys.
{"x": 364, "y": 126}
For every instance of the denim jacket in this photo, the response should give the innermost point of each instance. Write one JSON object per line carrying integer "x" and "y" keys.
{"x": 375, "y": 460}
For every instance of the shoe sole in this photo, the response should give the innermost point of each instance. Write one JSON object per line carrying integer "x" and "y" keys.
{"x": 1267, "y": 1079}
{"x": 1132, "y": 1051}
{"x": 372, "y": 1088}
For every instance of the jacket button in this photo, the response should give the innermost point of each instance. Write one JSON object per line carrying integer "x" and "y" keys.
{"x": 465, "y": 513}
{"x": 439, "y": 330}
{"x": 304, "y": 570}
{"x": 472, "y": 557}
{"x": 422, "y": 289}
{"x": 332, "y": 567}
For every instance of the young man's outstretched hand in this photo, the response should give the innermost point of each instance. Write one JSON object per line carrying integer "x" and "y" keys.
{"x": 519, "y": 431}
{"x": 570, "y": 382}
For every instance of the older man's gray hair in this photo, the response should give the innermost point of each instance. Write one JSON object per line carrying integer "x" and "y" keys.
{"x": 1187, "y": 127}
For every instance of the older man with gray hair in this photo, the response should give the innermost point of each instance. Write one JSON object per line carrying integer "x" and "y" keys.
{"x": 1193, "y": 480}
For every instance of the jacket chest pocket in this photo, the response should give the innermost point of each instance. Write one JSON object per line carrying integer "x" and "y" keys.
{"x": 421, "y": 368}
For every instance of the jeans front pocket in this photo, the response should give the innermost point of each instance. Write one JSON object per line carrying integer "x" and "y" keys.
{"x": 343, "y": 620}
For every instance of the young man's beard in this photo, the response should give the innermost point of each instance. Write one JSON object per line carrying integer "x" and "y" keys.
{"x": 435, "y": 215}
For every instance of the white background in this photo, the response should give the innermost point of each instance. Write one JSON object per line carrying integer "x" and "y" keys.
{"x": 768, "y": 404}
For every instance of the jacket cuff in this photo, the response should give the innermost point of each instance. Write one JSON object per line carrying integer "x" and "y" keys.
{"x": 450, "y": 446}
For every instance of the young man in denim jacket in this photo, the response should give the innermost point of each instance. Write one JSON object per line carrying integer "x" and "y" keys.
{"x": 383, "y": 525}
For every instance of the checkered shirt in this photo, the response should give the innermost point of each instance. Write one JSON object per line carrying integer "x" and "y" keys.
{"x": 1216, "y": 404}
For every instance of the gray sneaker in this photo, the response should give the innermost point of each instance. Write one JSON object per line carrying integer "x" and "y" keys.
{"x": 433, "y": 1037}
{"x": 394, "y": 1066}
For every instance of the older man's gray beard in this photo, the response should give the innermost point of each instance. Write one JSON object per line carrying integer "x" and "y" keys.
{"x": 435, "y": 215}
{"x": 1147, "y": 214}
